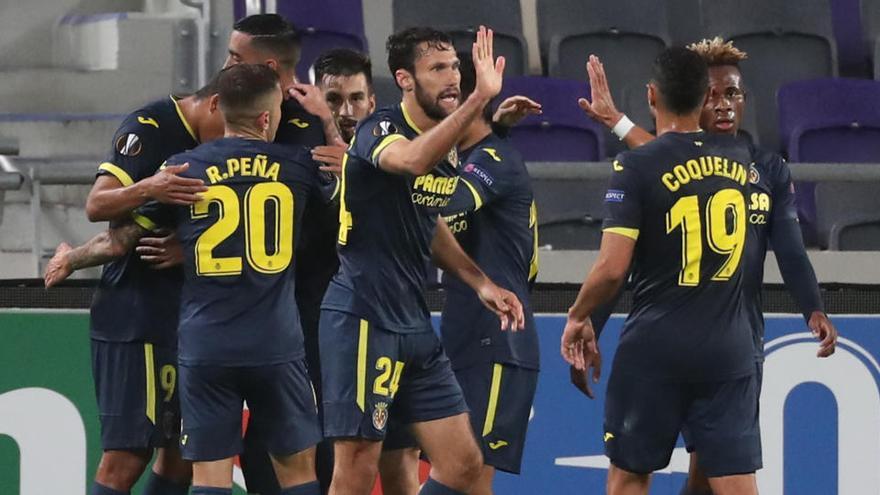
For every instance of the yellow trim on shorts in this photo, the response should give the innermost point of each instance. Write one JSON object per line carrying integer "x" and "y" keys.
{"x": 494, "y": 391}
{"x": 121, "y": 175}
{"x": 631, "y": 233}
{"x": 362, "y": 364}
{"x": 151, "y": 383}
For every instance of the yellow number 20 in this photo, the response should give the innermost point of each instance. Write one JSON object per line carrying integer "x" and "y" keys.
{"x": 278, "y": 196}
{"x": 722, "y": 237}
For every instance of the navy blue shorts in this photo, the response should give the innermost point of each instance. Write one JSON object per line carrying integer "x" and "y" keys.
{"x": 643, "y": 418}
{"x": 136, "y": 388}
{"x": 500, "y": 398}
{"x": 283, "y": 413}
{"x": 759, "y": 376}
{"x": 370, "y": 374}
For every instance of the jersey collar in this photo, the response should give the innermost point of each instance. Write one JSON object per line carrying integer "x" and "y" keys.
{"x": 408, "y": 119}
{"x": 183, "y": 119}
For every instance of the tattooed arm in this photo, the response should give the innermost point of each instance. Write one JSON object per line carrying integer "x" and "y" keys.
{"x": 104, "y": 247}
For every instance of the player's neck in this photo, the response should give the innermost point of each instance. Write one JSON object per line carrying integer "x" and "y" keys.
{"x": 193, "y": 111}
{"x": 245, "y": 133}
{"x": 476, "y": 132}
{"x": 669, "y": 122}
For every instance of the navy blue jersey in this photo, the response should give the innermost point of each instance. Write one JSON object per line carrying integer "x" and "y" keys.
{"x": 317, "y": 245}
{"x": 493, "y": 216}
{"x": 771, "y": 200}
{"x": 387, "y": 222}
{"x": 135, "y": 302}
{"x": 683, "y": 198}
{"x": 240, "y": 243}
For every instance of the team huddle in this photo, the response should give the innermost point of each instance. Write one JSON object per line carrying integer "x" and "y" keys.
{"x": 270, "y": 243}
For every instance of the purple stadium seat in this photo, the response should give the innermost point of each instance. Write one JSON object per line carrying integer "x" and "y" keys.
{"x": 563, "y": 132}
{"x": 828, "y": 120}
{"x": 852, "y": 51}
{"x": 324, "y": 24}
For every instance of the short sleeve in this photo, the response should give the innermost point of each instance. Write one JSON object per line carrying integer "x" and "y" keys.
{"x": 623, "y": 202}
{"x": 154, "y": 215}
{"x": 484, "y": 178}
{"x": 136, "y": 150}
{"x": 373, "y": 135}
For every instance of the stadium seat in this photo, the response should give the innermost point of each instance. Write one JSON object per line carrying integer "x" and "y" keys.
{"x": 626, "y": 35}
{"x": 460, "y": 18}
{"x": 852, "y": 50}
{"x": 830, "y": 120}
{"x": 570, "y": 213}
{"x": 786, "y": 41}
{"x": 324, "y": 24}
{"x": 871, "y": 31}
{"x": 848, "y": 215}
{"x": 562, "y": 132}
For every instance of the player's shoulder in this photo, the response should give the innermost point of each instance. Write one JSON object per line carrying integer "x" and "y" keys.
{"x": 495, "y": 150}
{"x": 384, "y": 121}
{"x": 768, "y": 162}
{"x": 293, "y": 113}
{"x": 151, "y": 118}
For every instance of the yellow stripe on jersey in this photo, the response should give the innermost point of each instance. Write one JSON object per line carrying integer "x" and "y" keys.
{"x": 143, "y": 221}
{"x": 478, "y": 201}
{"x": 117, "y": 172}
{"x": 384, "y": 144}
{"x": 631, "y": 233}
{"x": 533, "y": 224}
{"x": 151, "y": 383}
{"x": 183, "y": 120}
{"x": 345, "y": 219}
{"x": 362, "y": 364}
{"x": 409, "y": 121}
{"x": 494, "y": 391}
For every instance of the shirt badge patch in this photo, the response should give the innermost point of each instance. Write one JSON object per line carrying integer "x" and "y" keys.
{"x": 452, "y": 157}
{"x": 484, "y": 176}
{"x": 129, "y": 145}
{"x": 380, "y": 416}
{"x": 384, "y": 128}
{"x": 754, "y": 176}
{"x": 614, "y": 196}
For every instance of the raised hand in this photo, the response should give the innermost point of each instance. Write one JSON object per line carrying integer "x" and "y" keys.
{"x": 331, "y": 156}
{"x": 489, "y": 71}
{"x": 602, "y": 108}
{"x": 514, "y": 109}
{"x": 311, "y": 98}
{"x": 166, "y": 186}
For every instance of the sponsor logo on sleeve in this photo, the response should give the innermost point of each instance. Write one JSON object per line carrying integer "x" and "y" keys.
{"x": 384, "y": 128}
{"x": 614, "y": 196}
{"x": 481, "y": 174}
{"x": 129, "y": 145}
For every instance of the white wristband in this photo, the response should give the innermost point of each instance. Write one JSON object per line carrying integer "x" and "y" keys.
{"x": 622, "y": 127}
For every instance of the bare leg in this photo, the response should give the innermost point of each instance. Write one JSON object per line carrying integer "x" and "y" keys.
{"x": 483, "y": 486}
{"x": 355, "y": 466}
{"x": 213, "y": 473}
{"x": 622, "y": 482}
{"x": 295, "y": 469}
{"x": 456, "y": 459}
{"x": 399, "y": 471}
{"x": 738, "y": 484}
{"x": 171, "y": 466}
{"x": 120, "y": 469}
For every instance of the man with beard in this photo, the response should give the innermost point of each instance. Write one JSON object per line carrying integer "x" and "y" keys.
{"x": 772, "y": 215}
{"x": 381, "y": 357}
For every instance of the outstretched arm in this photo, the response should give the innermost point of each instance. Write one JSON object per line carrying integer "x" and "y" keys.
{"x": 104, "y": 247}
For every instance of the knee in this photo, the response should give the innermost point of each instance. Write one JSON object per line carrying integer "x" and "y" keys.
{"x": 465, "y": 466}
{"x": 171, "y": 466}
{"x": 120, "y": 469}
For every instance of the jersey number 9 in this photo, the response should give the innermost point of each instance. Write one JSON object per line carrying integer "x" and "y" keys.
{"x": 723, "y": 237}
{"x": 275, "y": 194}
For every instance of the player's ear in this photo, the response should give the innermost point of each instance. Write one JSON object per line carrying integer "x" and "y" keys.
{"x": 652, "y": 98}
{"x": 404, "y": 79}
{"x": 273, "y": 64}
{"x": 214, "y": 102}
{"x": 264, "y": 120}
{"x": 372, "y": 100}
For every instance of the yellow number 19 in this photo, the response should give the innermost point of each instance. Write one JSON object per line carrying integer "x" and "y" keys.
{"x": 722, "y": 240}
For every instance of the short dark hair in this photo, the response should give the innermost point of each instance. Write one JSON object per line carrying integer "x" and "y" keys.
{"x": 682, "y": 79}
{"x": 273, "y": 34}
{"x": 469, "y": 82}
{"x": 208, "y": 90}
{"x": 344, "y": 62}
{"x": 403, "y": 46}
{"x": 242, "y": 89}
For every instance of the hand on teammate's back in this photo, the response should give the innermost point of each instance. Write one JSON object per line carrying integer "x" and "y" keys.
{"x": 825, "y": 331}
{"x": 331, "y": 156}
{"x": 489, "y": 70}
{"x": 601, "y": 108}
{"x": 514, "y": 109}
{"x": 58, "y": 267}
{"x": 166, "y": 186}
{"x": 505, "y": 304}
{"x": 161, "y": 252}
